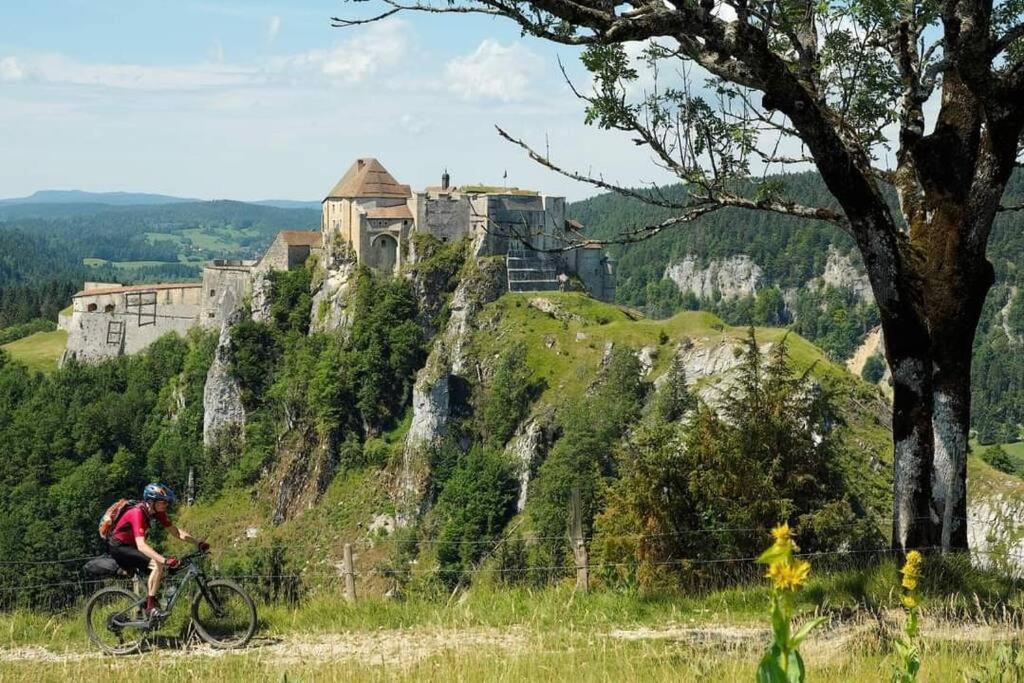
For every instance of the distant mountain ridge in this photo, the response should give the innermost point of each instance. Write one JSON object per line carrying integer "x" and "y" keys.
{"x": 135, "y": 199}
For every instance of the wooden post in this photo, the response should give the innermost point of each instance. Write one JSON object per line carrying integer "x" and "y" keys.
{"x": 350, "y": 575}
{"x": 579, "y": 548}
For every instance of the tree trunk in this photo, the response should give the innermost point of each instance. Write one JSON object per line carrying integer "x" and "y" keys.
{"x": 952, "y": 343}
{"x": 912, "y": 524}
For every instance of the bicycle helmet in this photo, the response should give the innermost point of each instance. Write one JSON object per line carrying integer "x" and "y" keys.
{"x": 154, "y": 492}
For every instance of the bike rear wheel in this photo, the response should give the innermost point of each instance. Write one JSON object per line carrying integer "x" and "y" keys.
{"x": 227, "y": 618}
{"x": 113, "y": 618}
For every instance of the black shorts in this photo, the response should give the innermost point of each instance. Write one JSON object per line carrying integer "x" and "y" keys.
{"x": 129, "y": 558}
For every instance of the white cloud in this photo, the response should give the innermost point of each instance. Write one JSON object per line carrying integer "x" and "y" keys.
{"x": 10, "y": 69}
{"x": 273, "y": 28}
{"x": 58, "y": 69}
{"x": 494, "y": 72}
{"x": 353, "y": 61}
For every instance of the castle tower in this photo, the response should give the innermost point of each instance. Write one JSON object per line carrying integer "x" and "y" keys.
{"x": 368, "y": 212}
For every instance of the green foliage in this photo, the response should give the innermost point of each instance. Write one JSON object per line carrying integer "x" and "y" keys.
{"x": 769, "y": 452}
{"x": 477, "y": 501}
{"x": 874, "y": 369}
{"x": 583, "y": 458}
{"x": 15, "y": 332}
{"x": 278, "y": 578}
{"x": 87, "y": 434}
{"x": 388, "y": 347}
{"x": 254, "y": 351}
{"x": 507, "y": 402}
{"x": 997, "y": 457}
{"x": 290, "y": 300}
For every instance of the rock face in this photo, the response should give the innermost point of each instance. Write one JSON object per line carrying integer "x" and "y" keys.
{"x": 704, "y": 358}
{"x": 261, "y": 297}
{"x": 736, "y": 276}
{"x": 995, "y": 521}
{"x": 304, "y": 472}
{"x": 526, "y": 450}
{"x": 432, "y": 394}
{"x": 222, "y": 397}
{"x": 841, "y": 273}
{"x": 330, "y": 301}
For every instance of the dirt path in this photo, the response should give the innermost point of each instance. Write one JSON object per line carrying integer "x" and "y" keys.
{"x": 393, "y": 647}
{"x": 402, "y": 648}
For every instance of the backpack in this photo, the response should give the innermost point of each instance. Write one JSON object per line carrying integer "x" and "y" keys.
{"x": 110, "y": 518}
{"x": 103, "y": 567}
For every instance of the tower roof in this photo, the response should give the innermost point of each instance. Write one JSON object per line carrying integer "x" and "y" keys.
{"x": 367, "y": 178}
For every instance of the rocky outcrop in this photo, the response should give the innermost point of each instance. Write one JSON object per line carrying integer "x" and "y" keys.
{"x": 705, "y": 359}
{"x": 995, "y": 520}
{"x": 433, "y": 390}
{"x": 261, "y": 297}
{"x": 736, "y": 276}
{"x": 302, "y": 476}
{"x": 330, "y": 301}
{"x": 222, "y": 397}
{"x": 552, "y": 308}
{"x": 526, "y": 450}
{"x": 841, "y": 273}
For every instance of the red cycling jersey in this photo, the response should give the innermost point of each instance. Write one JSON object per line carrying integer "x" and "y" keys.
{"x": 134, "y": 523}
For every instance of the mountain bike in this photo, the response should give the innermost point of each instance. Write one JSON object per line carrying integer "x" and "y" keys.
{"x": 222, "y": 612}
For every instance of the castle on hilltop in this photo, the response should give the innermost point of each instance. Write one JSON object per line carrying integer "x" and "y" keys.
{"x": 371, "y": 215}
{"x": 367, "y": 216}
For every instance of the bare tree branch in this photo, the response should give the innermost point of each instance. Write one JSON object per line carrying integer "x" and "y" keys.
{"x": 1012, "y": 34}
{"x": 701, "y": 204}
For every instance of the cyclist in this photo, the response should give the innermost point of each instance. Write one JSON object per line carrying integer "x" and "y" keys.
{"x": 128, "y": 544}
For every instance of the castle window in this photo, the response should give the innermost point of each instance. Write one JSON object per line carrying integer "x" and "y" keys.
{"x": 210, "y": 314}
{"x": 109, "y": 308}
{"x": 212, "y": 292}
{"x": 91, "y": 308}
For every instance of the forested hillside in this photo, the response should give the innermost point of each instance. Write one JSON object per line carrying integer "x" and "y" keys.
{"x": 48, "y": 250}
{"x": 791, "y": 253}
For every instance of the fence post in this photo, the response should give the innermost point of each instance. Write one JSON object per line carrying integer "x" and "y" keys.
{"x": 350, "y": 575}
{"x": 579, "y": 548}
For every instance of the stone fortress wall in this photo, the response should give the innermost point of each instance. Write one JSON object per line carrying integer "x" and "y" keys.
{"x": 110, "y": 321}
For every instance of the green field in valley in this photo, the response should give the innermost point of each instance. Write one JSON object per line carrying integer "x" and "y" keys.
{"x": 39, "y": 351}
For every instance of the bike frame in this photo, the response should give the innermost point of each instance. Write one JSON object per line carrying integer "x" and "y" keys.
{"x": 191, "y": 571}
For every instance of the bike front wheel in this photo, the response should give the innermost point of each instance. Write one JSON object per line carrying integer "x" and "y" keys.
{"x": 224, "y": 614}
{"x": 115, "y": 621}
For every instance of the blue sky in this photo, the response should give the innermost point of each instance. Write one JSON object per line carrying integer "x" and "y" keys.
{"x": 263, "y": 99}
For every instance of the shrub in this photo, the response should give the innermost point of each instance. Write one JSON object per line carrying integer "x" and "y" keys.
{"x": 874, "y": 370}
{"x": 507, "y": 402}
{"x": 477, "y": 500}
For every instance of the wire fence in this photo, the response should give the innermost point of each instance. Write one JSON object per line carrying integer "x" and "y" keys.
{"x": 62, "y": 584}
{"x": 369, "y": 540}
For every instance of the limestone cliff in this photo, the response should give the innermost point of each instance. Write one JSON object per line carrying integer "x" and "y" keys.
{"x": 841, "y": 273}
{"x": 432, "y": 395}
{"x": 736, "y": 276}
{"x": 222, "y": 398}
{"x": 995, "y": 518}
{"x": 331, "y": 298}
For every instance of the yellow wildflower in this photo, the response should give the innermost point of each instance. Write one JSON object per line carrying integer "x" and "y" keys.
{"x": 912, "y": 570}
{"x": 781, "y": 533}
{"x": 789, "y": 575}
{"x": 909, "y": 601}
{"x": 783, "y": 536}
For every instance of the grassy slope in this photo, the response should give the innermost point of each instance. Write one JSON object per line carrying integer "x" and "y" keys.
{"x": 569, "y": 364}
{"x": 39, "y": 351}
